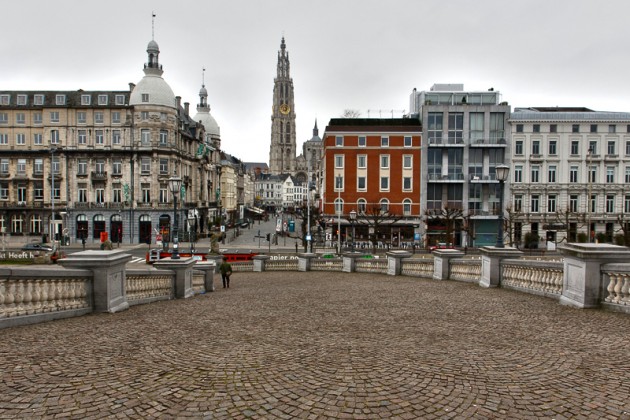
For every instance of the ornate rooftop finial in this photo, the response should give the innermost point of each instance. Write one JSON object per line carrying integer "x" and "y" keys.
{"x": 153, "y": 25}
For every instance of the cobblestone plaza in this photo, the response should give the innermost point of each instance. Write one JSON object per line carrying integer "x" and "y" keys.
{"x": 324, "y": 345}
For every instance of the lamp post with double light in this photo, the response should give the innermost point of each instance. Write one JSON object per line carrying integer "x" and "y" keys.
{"x": 502, "y": 175}
{"x": 175, "y": 184}
{"x": 339, "y": 209}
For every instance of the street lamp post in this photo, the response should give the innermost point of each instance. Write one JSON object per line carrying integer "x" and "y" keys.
{"x": 52, "y": 195}
{"x": 175, "y": 184}
{"x": 502, "y": 176}
{"x": 589, "y": 199}
{"x": 353, "y": 219}
{"x": 339, "y": 210}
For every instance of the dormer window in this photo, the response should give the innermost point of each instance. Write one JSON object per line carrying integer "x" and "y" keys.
{"x": 85, "y": 100}
{"x": 102, "y": 99}
{"x": 60, "y": 99}
{"x": 120, "y": 99}
{"x": 21, "y": 99}
{"x": 145, "y": 97}
{"x": 39, "y": 100}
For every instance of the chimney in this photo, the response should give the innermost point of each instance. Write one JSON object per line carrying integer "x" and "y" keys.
{"x": 187, "y": 107}
{"x": 178, "y": 100}
{"x": 131, "y": 86}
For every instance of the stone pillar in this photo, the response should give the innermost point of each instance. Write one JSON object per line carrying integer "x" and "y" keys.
{"x": 582, "y": 285}
{"x": 109, "y": 274}
{"x": 218, "y": 259}
{"x": 491, "y": 257}
{"x": 441, "y": 262}
{"x": 304, "y": 261}
{"x": 208, "y": 268}
{"x": 183, "y": 269}
{"x": 394, "y": 261}
{"x": 350, "y": 261}
{"x": 259, "y": 262}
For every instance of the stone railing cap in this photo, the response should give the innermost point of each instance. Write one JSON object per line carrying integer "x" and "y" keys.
{"x": 95, "y": 258}
{"x": 599, "y": 251}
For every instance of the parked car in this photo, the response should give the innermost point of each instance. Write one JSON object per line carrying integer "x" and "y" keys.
{"x": 441, "y": 245}
{"x": 37, "y": 247}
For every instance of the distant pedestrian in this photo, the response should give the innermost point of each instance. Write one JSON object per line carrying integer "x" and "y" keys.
{"x": 226, "y": 271}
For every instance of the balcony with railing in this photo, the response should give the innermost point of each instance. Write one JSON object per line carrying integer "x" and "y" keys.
{"x": 488, "y": 142}
{"x": 446, "y": 141}
{"x": 476, "y": 178}
{"x": 453, "y": 177}
{"x": 99, "y": 176}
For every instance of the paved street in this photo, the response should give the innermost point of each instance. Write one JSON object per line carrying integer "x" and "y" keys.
{"x": 324, "y": 345}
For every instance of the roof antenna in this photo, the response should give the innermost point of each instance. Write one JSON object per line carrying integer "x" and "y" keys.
{"x": 153, "y": 25}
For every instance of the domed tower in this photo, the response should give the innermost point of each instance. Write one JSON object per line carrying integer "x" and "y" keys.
{"x": 213, "y": 132}
{"x": 283, "y": 148}
{"x": 152, "y": 89}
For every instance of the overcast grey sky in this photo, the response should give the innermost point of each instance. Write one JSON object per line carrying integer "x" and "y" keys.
{"x": 359, "y": 54}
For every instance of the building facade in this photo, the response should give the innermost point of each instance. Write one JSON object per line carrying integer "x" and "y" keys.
{"x": 80, "y": 164}
{"x": 465, "y": 135}
{"x": 373, "y": 166}
{"x": 570, "y": 176}
{"x": 282, "y": 152}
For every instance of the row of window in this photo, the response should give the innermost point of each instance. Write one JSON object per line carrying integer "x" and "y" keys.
{"x": 82, "y": 166}
{"x": 60, "y": 99}
{"x": 99, "y": 117}
{"x": 407, "y": 161}
{"x": 361, "y": 205}
{"x": 552, "y": 174}
{"x": 36, "y": 224}
{"x": 362, "y": 141}
{"x": 384, "y": 183}
{"x": 552, "y": 147}
{"x": 100, "y": 137}
{"x": 119, "y": 192}
{"x": 575, "y": 128}
{"x": 82, "y": 117}
{"x": 610, "y": 203}
{"x": 455, "y": 129}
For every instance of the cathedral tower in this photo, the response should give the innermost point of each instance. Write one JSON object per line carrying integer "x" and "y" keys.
{"x": 282, "y": 151}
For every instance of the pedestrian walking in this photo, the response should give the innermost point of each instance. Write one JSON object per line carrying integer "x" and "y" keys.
{"x": 226, "y": 271}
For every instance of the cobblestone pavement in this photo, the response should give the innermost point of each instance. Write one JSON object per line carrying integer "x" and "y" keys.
{"x": 324, "y": 345}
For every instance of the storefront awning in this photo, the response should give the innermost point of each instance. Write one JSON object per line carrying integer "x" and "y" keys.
{"x": 255, "y": 210}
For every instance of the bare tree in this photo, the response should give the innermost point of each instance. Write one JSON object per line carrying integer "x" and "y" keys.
{"x": 448, "y": 218}
{"x": 509, "y": 222}
{"x": 375, "y": 219}
{"x": 624, "y": 227}
{"x": 350, "y": 113}
{"x": 563, "y": 219}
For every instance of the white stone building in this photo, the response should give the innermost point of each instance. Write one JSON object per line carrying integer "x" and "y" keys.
{"x": 560, "y": 158}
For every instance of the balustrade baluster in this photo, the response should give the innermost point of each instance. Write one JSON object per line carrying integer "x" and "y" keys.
{"x": 625, "y": 290}
{"x": 617, "y": 289}
{"x": 611, "y": 287}
{"x": 19, "y": 298}
{"x": 3, "y": 292}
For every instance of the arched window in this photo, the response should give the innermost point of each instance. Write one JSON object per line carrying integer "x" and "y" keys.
{"x": 98, "y": 226}
{"x": 338, "y": 206}
{"x": 407, "y": 207}
{"x": 82, "y": 226}
{"x": 384, "y": 205}
{"x": 361, "y": 205}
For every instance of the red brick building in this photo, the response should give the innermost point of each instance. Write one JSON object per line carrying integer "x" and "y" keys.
{"x": 373, "y": 166}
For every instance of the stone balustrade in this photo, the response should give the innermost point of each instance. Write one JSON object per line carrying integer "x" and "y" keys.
{"x": 32, "y": 295}
{"x": 589, "y": 275}
{"x": 418, "y": 267}
{"x": 617, "y": 286}
{"x": 371, "y": 265}
{"x": 465, "y": 269}
{"x": 145, "y": 286}
{"x": 538, "y": 277}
